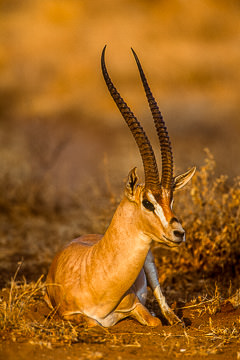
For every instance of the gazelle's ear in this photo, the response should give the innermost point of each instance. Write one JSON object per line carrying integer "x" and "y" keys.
{"x": 131, "y": 185}
{"x": 181, "y": 180}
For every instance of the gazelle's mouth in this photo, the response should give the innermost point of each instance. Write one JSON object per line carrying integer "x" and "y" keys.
{"x": 176, "y": 242}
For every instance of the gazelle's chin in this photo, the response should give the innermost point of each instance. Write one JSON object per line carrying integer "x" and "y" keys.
{"x": 169, "y": 243}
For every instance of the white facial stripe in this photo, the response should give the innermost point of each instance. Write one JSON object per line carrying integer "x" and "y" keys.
{"x": 158, "y": 209}
{"x": 159, "y": 212}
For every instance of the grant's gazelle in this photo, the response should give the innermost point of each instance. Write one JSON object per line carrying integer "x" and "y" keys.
{"x": 103, "y": 278}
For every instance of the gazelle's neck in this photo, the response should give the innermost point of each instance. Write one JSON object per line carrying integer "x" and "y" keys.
{"x": 122, "y": 249}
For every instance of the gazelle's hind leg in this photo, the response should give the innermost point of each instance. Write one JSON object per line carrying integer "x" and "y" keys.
{"x": 134, "y": 300}
{"x": 132, "y": 305}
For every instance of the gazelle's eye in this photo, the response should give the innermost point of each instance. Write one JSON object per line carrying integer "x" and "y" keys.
{"x": 148, "y": 205}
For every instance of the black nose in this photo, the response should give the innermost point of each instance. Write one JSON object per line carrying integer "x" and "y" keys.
{"x": 179, "y": 234}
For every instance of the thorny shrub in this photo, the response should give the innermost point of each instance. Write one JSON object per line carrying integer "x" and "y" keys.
{"x": 211, "y": 213}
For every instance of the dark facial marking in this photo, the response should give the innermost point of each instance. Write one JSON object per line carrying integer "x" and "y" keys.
{"x": 148, "y": 205}
{"x": 173, "y": 220}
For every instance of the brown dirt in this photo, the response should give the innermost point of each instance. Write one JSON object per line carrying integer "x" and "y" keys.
{"x": 214, "y": 336}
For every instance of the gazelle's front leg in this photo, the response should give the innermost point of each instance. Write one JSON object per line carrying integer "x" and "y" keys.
{"x": 152, "y": 278}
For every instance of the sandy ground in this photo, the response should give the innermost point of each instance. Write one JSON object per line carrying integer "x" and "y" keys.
{"x": 205, "y": 336}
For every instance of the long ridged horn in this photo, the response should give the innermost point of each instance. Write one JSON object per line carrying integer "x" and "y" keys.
{"x": 148, "y": 158}
{"x": 165, "y": 144}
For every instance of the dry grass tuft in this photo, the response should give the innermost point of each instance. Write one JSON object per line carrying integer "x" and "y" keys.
{"x": 24, "y": 316}
{"x": 213, "y": 227}
{"x": 205, "y": 304}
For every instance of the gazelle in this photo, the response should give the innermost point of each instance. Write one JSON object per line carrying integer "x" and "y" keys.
{"x": 102, "y": 279}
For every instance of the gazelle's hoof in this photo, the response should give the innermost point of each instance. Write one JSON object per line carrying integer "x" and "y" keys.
{"x": 154, "y": 321}
{"x": 141, "y": 314}
{"x": 174, "y": 319}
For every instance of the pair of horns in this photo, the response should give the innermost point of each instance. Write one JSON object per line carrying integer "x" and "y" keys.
{"x": 152, "y": 181}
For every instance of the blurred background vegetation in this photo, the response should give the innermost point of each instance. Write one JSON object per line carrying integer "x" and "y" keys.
{"x": 64, "y": 148}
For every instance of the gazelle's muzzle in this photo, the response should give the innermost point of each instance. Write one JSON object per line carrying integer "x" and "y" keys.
{"x": 175, "y": 233}
{"x": 179, "y": 236}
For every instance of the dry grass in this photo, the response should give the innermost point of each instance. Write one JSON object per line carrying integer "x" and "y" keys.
{"x": 214, "y": 228}
{"x": 18, "y": 321}
{"x": 25, "y": 318}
